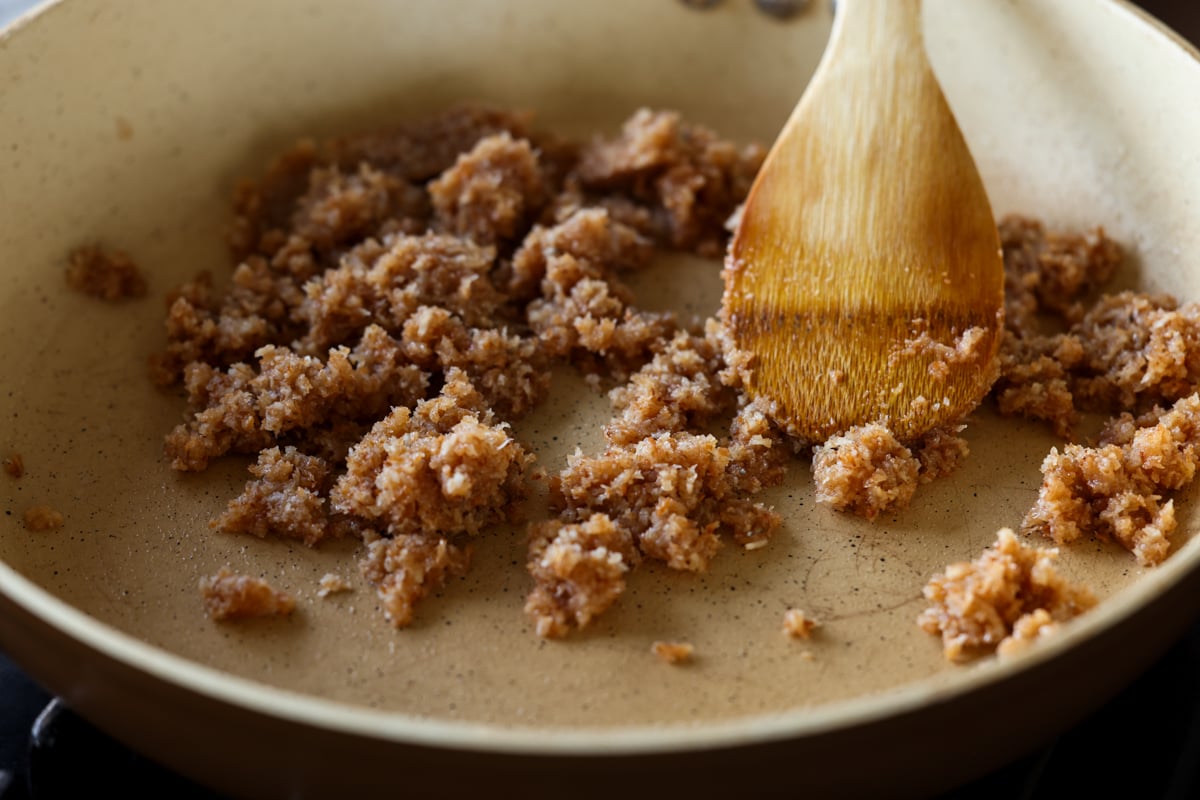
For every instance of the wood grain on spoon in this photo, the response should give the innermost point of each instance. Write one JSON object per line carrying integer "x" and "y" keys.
{"x": 866, "y": 242}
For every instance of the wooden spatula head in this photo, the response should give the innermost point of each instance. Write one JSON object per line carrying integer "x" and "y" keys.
{"x": 865, "y": 281}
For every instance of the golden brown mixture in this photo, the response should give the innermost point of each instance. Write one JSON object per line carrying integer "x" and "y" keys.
{"x": 675, "y": 653}
{"x": 14, "y": 465}
{"x": 1123, "y": 354}
{"x": 1009, "y": 595}
{"x": 492, "y": 193}
{"x": 675, "y": 490}
{"x": 400, "y": 297}
{"x": 799, "y": 625}
{"x": 43, "y": 518}
{"x": 106, "y": 274}
{"x": 584, "y": 311}
{"x": 1115, "y": 490}
{"x": 229, "y": 596}
{"x": 1127, "y": 354}
{"x": 1051, "y": 271}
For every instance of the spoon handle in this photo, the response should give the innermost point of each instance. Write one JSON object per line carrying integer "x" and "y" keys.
{"x": 878, "y": 32}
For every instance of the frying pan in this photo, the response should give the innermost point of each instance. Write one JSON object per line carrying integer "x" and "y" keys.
{"x": 128, "y": 121}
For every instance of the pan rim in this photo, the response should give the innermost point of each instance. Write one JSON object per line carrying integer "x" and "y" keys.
{"x": 391, "y": 726}
{"x": 811, "y": 721}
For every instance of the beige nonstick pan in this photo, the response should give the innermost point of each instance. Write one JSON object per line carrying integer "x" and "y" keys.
{"x": 128, "y": 122}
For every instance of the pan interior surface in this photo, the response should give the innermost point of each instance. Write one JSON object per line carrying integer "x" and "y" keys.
{"x": 141, "y": 150}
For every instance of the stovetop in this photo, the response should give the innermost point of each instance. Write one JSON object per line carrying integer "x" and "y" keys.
{"x": 1145, "y": 743}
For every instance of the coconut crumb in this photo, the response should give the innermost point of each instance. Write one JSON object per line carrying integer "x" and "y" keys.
{"x": 675, "y": 653}
{"x": 941, "y": 452}
{"x": 672, "y": 488}
{"x": 286, "y": 499}
{"x": 230, "y": 596}
{"x": 660, "y": 489}
{"x": 1026, "y": 631}
{"x": 408, "y": 567}
{"x": 491, "y": 192}
{"x": 332, "y": 583}
{"x": 579, "y": 571}
{"x": 445, "y": 467}
{"x": 1116, "y": 490}
{"x": 43, "y": 518}
{"x": 14, "y": 466}
{"x": 1052, "y": 271}
{"x": 1061, "y": 355}
{"x": 105, "y": 274}
{"x": 1009, "y": 596}
{"x": 682, "y": 181}
{"x": 799, "y": 625}
{"x": 865, "y": 471}
{"x": 967, "y": 349}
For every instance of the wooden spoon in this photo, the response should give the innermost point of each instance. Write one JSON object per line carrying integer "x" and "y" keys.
{"x": 865, "y": 281}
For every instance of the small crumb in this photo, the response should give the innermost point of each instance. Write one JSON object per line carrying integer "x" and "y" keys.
{"x": 798, "y": 625}
{"x": 964, "y": 349}
{"x": 124, "y": 129}
{"x": 865, "y": 471}
{"x": 807, "y": 655}
{"x": 332, "y": 583}
{"x": 43, "y": 518}
{"x": 14, "y": 465}
{"x": 579, "y": 570}
{"x": 106, "y": 274}
{"x": 228, "y": 595}
{"x": 673, "y": 652}
{"x": 1028, "y": 629}
{"x": 408, "y": 567}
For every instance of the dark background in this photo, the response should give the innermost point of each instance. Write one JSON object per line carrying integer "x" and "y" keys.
{"x": 1182, "y": 15}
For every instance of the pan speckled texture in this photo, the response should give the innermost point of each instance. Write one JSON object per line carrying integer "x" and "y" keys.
{"x": 127, "y": 121}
